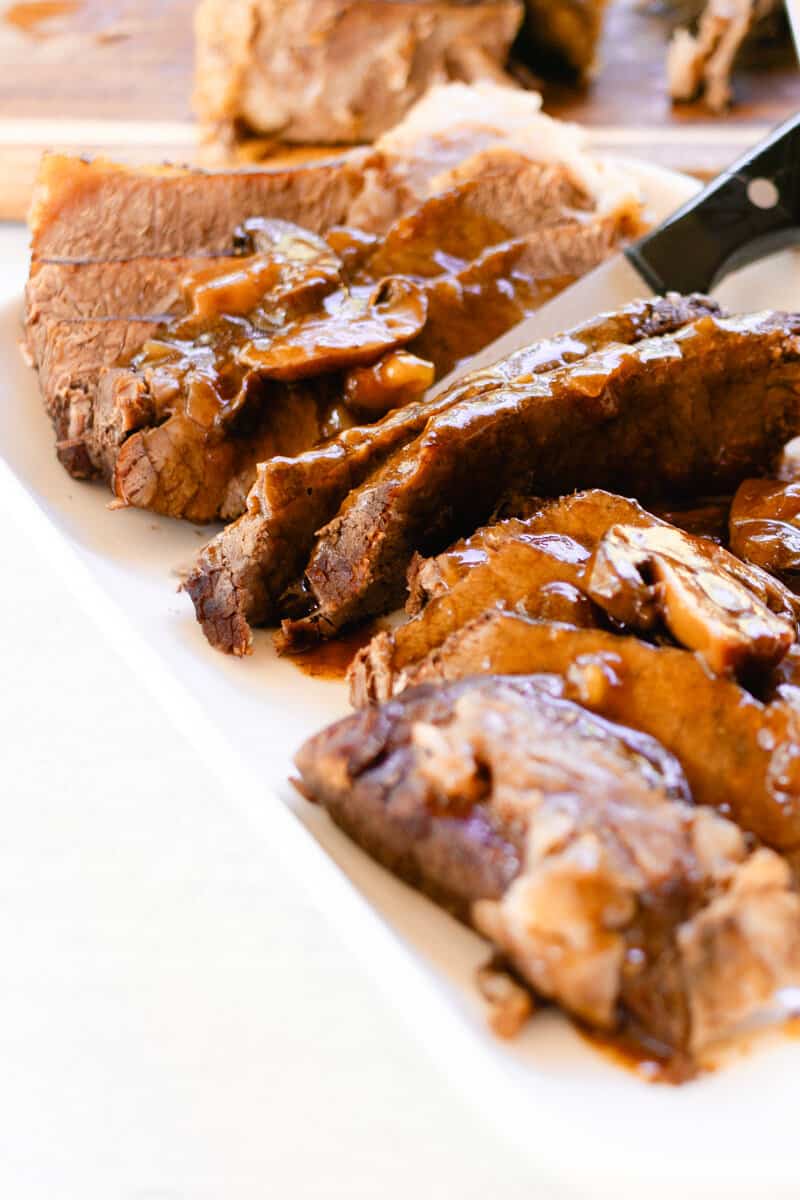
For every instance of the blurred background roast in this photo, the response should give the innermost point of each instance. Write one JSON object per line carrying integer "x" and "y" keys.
{"x": 686, "y": 83}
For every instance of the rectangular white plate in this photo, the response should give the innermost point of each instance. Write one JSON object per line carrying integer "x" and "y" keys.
{"x": 596, "y": 1129}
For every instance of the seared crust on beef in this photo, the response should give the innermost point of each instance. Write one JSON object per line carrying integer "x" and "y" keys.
{"x": 241, "y": 574}
{"x": 567, "y": 840}
{"x": 698, "y": 409}
{"x": 363, "y": 770}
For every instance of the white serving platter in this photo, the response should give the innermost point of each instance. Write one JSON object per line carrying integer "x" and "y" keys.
{"x": 588, "y": 1127}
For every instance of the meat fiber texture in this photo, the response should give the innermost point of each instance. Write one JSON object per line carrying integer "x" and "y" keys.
{"x": 628, "y": 416}
{"x": 337, "y": 71}
{"x": 110, "y": 244}
{"x": 568, "y": 841}
{"x": 241, "y": 575}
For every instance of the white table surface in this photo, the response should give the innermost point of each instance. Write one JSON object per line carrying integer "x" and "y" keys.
{"x": 176, "y": 1021}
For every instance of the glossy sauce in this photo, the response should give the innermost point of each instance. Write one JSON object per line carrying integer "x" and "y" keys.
{"x": 196, "y": 359}
{"x": 765, "y": 524}
{"x": 445, "y": 280}
{"x": 330, "y": 659}
{"x": 287, "y": 311}
{"x": 707, "y": 518}
{"x": 626, "y": 1051}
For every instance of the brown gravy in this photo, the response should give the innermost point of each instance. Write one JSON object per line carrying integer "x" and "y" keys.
{"x": 624, "y": 1050}
{"x": 330, "y": 659}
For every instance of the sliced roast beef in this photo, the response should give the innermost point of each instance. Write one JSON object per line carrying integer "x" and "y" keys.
{"x": 582, "y": 516}
{"x": 182, "y": 466}
{"x": 575, "y": 560}
{"x": 64, "y": 303}
{"x": 739, "y": 755}
{"x": 568, "y": 841}
{"x": 475, "y": 193}
{"x": 693, "y": 410}
{"x": 100, "y": 211}
{"x": 72, "y": 356}
{"x": 168, "y": 429}
{"x": 537, "y": 566}
{"x": 336, "y": 71}
{"x": 139, "y": 287}
{"x": 447, "y": 317}
{"x": 241, "y": 576}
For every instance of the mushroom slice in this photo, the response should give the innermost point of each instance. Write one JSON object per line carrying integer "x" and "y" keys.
{"x": 735, "y": 615}
{"x": 285, "y": 268}
{"x": 765, "y": 524}
{"x": 356, "y": 326}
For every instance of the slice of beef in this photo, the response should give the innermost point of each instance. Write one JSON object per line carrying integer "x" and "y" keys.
{"x": 582, "y": 516}
{"x": 242, "y": 574}
{"x": 504, "y": 284}
{"x": 585, "y": 550}
{"x": 72, "y": 356}
{"x": 99, "y": 211}
{"x": 503, "y": 165}
{"x": 569, "y": 842}
{"x": 537, "y": 566}
{"x": 337, "y": 71}
{"x": 739, "y": 755}
{"x": 210, "y": 395}
{"x": 65, "y": 301}
{"x": 698, "y": 409}
{"x": 509, "y": 196}
{"x": 765, "y": 524}
{"x": 488, "y": 284}
{"x": 184, "y": 467}
{"x": 461, "y": 312}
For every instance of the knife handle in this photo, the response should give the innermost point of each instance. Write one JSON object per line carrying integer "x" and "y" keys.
{"x": 750, "y": 210}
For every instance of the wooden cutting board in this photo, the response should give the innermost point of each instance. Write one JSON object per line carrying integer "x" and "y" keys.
{"x": 114, "y": 77}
